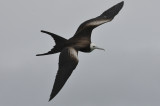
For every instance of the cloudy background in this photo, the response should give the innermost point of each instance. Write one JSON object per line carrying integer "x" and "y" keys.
{"x": 127, "y": 74}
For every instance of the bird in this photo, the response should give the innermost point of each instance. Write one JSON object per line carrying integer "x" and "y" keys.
{"x": 80, "y": 42}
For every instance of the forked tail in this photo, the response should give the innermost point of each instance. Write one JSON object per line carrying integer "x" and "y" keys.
{"x": 59, "y": 41}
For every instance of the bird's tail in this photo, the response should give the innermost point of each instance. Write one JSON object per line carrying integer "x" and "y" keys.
{"x": 59, "y": 43}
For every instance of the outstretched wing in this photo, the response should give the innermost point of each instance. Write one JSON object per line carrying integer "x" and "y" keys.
{"x": 86, "y": 27}
{"x": 68, "y": 61}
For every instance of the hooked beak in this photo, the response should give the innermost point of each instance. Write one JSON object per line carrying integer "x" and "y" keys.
{"x": 99, "y": 48}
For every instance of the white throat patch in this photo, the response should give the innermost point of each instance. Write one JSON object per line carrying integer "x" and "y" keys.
{"x": 92, "y": 46}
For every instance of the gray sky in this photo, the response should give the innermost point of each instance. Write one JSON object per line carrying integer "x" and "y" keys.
{"x": 127, "y": 74}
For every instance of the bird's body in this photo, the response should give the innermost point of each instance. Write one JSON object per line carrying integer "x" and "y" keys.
{"x": 81, "y": 41}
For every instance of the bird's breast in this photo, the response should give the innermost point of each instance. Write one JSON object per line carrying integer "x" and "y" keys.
{"x": 80, "y": 44}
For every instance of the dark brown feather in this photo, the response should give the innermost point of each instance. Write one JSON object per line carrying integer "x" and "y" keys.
{"x": 68, "y": 61}
{"x": 85, "y": 29}
{"x": 60, "y": 42}
{"x": 81, "y": 41}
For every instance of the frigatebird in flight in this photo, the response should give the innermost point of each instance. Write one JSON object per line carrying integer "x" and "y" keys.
{"x": 81, "y": 41}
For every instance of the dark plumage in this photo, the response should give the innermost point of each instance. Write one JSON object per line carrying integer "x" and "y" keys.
{"x": 81, "y": 41}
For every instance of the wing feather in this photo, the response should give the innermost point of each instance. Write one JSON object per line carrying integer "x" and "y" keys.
{"x": 68, "y": 61}
{"x": 86, "y": 27}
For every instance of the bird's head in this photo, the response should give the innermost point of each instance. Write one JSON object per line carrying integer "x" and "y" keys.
{"x": 93, "y": 46}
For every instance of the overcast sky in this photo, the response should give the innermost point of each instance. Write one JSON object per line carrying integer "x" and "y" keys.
{"x": 126, "y": 74}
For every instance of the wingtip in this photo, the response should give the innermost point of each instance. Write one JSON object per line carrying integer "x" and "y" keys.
{"x": 113, "y": 11}
{"x": 122, "y": 3}
{"x": 50, "y": 99}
